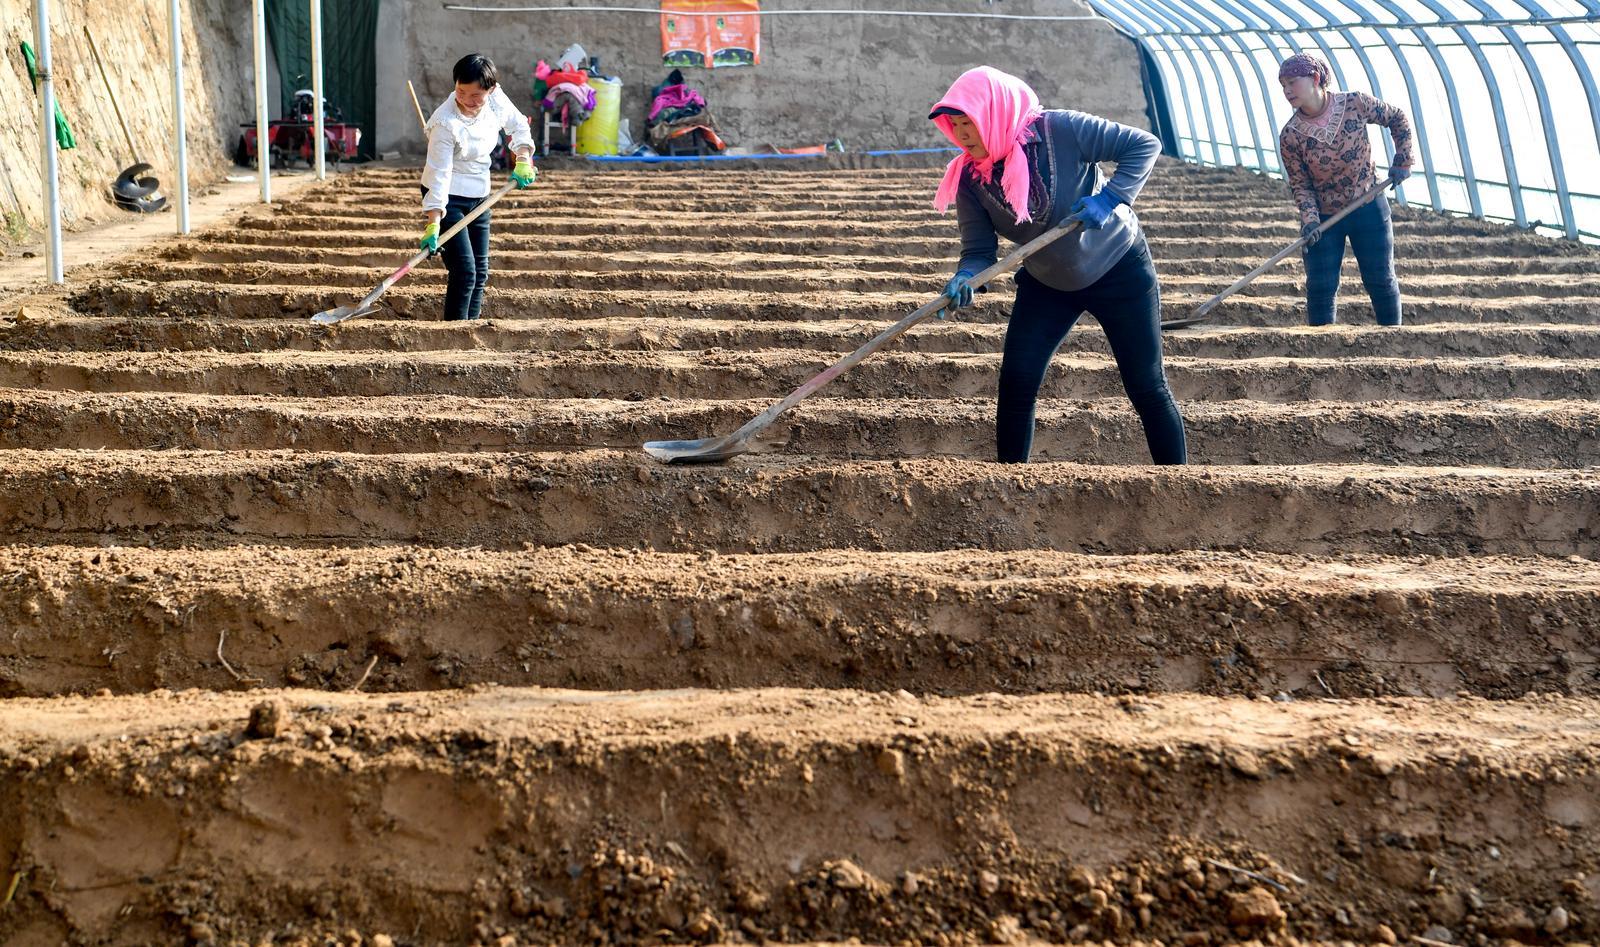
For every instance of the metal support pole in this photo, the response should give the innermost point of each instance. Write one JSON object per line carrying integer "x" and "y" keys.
{"x": 1519, "y": 213}
{"x": 47, "y": 144}
{"x": 1235, "y": 145}
{"x": 1585, "y": 76}
{"x": 1418, "y": 119}
{"x": 180, "y": 144}
{"x": 316, "y": 87}
{"x": 1331, "y": 23}
{"x": 258, "y": 40}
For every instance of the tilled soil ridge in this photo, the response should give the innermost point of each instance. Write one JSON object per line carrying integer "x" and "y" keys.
{"x": 615, "y": 499}
{"x": 796, "y": 815}
{"x": 1528, "y": 434}
{"x": 1276, "y": 655}
{"x": 132, "y": 619}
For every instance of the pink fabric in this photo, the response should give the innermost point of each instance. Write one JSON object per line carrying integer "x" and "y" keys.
{"x": 582, "y": 93}
{"x": 1002, "y": 107}
{"x": 676, "y": 96}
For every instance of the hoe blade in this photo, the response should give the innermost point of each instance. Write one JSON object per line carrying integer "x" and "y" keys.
{"x": 341, "y": 313}
{"x": 707, "y": 450}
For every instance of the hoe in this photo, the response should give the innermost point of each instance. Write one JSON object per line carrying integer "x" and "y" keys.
{"x": 711, "y": 450}
{"x": 369, "y": 303}
{"x": 1203, "y": 311}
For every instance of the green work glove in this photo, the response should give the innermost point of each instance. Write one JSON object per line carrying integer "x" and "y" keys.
{"x": 430, "y": 237}
{"x": 524, "y": 174}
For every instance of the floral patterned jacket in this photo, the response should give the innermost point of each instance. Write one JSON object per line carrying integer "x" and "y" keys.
{"x": 1330, "y": 166}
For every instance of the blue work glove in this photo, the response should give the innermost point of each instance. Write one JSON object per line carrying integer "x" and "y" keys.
{"x": 1096, "y": 209}
{"x": 430, "y": 237}
{"x": 1398, "y": 175}
{"x": 523, "y": 174}
{"x": 1308, "y": 232}
{"x": 957, "y": 292}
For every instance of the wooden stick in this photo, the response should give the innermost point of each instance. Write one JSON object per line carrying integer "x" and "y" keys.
{"x": 222, "y": 636}
{"x": 1248, "y": 873}
{"x": 133, "y": 152}
{"x": 363, "y": 679}
{"x": 420, "y": 120}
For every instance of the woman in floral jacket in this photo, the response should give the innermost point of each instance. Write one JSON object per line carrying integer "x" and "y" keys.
{"x": 1328, "y": 160}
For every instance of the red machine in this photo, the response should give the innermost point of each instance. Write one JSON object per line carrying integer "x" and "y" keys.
{"x": 291, "y": 137}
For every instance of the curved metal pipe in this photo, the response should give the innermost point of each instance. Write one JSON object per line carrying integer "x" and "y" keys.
{"x": 1417, "y": 117}
{"x": 1513, "y": 182}
{"x": 1191, "y": 113}
{"x": 1366, "y": 65}
{"x": 1244, "y": 94}
{"x": 1211, "y": 62}
{"x": 1457, "y": 119}
{"x": 1546, "y": 113}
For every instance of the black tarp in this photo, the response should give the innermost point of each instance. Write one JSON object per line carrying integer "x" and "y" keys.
{"x": 349, "y": 57}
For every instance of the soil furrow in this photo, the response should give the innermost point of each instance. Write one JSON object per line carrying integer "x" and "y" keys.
{"x": 208, "y": 300}
{"x": 1495, "y": 434}
{"x": 819, "y": 280}
{"x": 58, "y": 330}
{"x": 933, "y": 262}
{"x": 131, "y": 619}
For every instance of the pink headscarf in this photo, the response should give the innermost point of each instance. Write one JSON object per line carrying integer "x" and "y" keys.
{"x": 1001, "y": 106}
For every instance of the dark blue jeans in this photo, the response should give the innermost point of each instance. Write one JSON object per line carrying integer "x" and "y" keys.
{"x": 1127, "y": 303}
{"x": 466, "y": 257}
{"x": 1371, "y": 235}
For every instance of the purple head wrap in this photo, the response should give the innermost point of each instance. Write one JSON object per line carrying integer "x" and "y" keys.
{"x": 1305, "y": 64}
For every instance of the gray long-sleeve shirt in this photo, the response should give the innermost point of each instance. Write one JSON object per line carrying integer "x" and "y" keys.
{"x": 1063, "y": 160}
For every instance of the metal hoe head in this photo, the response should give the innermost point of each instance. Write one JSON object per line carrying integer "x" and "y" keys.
{"x": 338, "y": 314}
{"x": 707, "y": 450}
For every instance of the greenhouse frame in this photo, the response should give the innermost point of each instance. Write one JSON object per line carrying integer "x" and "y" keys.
{"x": 1501, "y": 93}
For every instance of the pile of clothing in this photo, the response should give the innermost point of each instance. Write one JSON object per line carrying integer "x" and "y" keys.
{"x": 564, "y": 90}
{"x": 678, "y": 114}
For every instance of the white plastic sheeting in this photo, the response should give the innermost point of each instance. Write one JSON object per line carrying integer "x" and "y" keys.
{"x": 1501, "y": 93}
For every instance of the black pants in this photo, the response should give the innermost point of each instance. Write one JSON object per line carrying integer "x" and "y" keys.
{"x": 1127, "y": 303}
{"x": 466, "y": 257}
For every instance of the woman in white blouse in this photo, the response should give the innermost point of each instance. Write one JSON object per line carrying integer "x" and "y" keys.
{"x": 462, "y": 134}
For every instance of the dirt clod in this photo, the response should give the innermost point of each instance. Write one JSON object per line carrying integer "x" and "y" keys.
{"x": 268, "y": 719}
{"x": 1255, "y": 907}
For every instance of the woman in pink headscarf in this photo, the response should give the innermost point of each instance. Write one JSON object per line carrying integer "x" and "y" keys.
{"x": 1023, "y": 170}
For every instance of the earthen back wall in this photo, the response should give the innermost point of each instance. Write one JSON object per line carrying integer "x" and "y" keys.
{"x": 132, "y": 35}
{"x": 868, "y": 80}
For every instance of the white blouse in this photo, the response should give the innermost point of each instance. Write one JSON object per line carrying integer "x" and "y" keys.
{"x": 459, "y": 147}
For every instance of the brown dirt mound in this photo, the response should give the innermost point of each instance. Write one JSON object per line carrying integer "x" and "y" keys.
{"x": 785, "y": 505}
{"x": 1340, "y": 784}
{"x": 133, "y": 619}
{"x": 795, "y": 815}
{"x": 1456, "y": 433}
